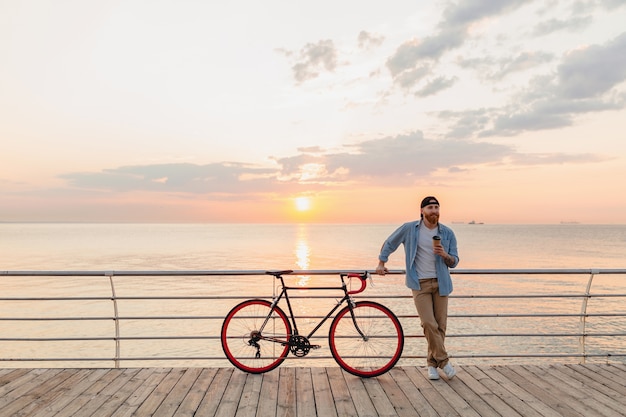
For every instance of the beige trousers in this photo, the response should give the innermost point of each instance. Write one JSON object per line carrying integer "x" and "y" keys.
{"x": 433, "y": 312}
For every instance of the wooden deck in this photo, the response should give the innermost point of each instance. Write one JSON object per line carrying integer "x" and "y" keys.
{"x": 515, "y": 390}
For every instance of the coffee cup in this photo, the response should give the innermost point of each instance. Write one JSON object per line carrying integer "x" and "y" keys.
{"x": 436, "y": 241}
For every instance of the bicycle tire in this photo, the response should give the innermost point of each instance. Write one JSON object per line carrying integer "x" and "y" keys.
{"x": 237, "y": 334}
{"x": 382, "y": 346}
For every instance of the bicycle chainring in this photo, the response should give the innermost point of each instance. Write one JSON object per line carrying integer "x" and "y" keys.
{"x": 299, "y": 346}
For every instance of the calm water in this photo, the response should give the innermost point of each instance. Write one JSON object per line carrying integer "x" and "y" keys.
{"x": 301, "y": 247}
{"x": 242, "y": 247}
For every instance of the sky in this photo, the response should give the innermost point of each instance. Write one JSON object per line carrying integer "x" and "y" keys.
{"x": 509, "y": 111}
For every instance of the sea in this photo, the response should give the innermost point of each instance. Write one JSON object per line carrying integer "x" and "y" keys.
{"x": 308, "y": 247}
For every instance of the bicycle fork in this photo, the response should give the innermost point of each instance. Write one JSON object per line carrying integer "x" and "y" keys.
{"x": 351, "y": 305}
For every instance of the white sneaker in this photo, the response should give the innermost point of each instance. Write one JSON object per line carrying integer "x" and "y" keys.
{"x": 432, "y": 373}
{"x": 449, "y": 371}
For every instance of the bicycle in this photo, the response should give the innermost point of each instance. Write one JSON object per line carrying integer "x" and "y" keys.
{"x": 365, "y": 338}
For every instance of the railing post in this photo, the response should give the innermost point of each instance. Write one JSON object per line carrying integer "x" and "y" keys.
{"x": 583, "y": 318}
{"x": 115, "y": 319}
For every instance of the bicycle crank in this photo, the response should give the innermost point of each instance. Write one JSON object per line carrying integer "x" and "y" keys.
{"x": 300, "y": 346}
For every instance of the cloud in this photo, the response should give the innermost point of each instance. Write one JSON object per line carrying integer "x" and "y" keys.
{"x": 436, "y": 85}
{"x": 593, "y": 71}
{"x": 311, "y": 149}
{"x": 401, "y": 159}
{"x": 554, "y": 25}
{"x": 612, "y": 4}
{"x": 415, "y": 53}
{"x": 466, "y": 12}
{"x": 453, "y": 33}
{"x": 314, "y": 58}
{"x": 368, "y": 40}
{"x": 555, "y": 159}
{"x": 185, "y": 178}
{"x": 521, "y": 62}
{"x": 404, "y": 159}
{"x": 586, "y": 80}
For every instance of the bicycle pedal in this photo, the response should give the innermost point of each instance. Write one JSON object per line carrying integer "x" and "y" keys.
{"x": 315, "y": 346}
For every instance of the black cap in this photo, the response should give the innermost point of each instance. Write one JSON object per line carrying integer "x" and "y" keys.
{"x": 428, "y": 201}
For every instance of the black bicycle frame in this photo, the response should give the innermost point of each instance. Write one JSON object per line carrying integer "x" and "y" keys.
{"x": 284, "y": 293}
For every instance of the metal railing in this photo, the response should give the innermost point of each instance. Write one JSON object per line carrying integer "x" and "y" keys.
{"x": 128, "y": 325}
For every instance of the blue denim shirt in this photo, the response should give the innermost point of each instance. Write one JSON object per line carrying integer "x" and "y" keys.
{"x": 408, "y": 235}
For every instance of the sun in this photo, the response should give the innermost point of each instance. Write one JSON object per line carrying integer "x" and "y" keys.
{"x": 303, "y": 203}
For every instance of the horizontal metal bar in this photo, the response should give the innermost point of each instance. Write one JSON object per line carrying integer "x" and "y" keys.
{"x": 408, "y": 336}
{"x": 218, "y": 358}
{"x": 245, "y": 297}
{"x": 406, "y": 316}
{"x": 586, "y": 271}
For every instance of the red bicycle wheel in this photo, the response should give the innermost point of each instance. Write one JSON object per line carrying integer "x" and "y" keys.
{"x": 249, "y": 348}
{"x": 366, "y": 340}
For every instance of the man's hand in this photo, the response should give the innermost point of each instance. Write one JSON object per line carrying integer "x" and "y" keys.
{"x": 447, "y": 259}
{"x": 380, "y": 269}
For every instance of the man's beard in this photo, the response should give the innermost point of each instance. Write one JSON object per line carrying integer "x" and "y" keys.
{"x": 432, "y": 218}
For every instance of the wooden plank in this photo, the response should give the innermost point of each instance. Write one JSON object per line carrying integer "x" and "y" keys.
{"x": 305, "y": 400}
{"x": 160, "y": 392}
{"x": 211, "y": 400}
{"x": 90, "y": 394}
{"x": 510, "y": 393}
{"x": 9, "y": 376}
{"x": 23, "y": 388}
{"x": 90, "y": 404}
{"x": 590, "y": 396}
{"x": 176, "y": 395}
{"x": 268, "y": 397}
{"x": 38, "y": 398}
{"x": 118, "y": 399}
{"x": 619, "y": 366}
{"x": 591, "y": 383}
{"x": 341, "y": 394}
{"x": 148, "y": 383}
{"x": 72, "y": 393}
{"x": 608, "y": 387}
{"x": 196, "y": 394}
{"x": 4, "y": 371}
{"x": 566, "y": 394}
{"x": 384, "y": 407}
{"x": 600, "y": 373}
{"x": 434, "y": 398}
{"x": 286, "y": 405}
{"x": 324, "y": 403}
{"x": 498, "y": 374}
{"x": 540, "y": 391}
{"x": 448, "y": 390}
{"x": 20, "y": 397}
{"x": 14, "y": 380}
{"x": 360, "y": 397}
{"x": 376, "y": 393}
{"x": 472, "y": 393}
{"x": 230, "y": 400}
{"x": 250, "y": 396}
{"x": 402, "y": 387}
{"x": 51, "y": 393}
{"x": 474, "y": 387}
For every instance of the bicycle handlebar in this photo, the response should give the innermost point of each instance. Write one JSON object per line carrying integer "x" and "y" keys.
{"x": 363, "y": 278}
